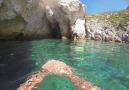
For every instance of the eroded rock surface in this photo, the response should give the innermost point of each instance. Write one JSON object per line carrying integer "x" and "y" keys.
{"x": 110, "y": 26}
{"x": 42, "y": 19}
{"x": 56, "y": 67}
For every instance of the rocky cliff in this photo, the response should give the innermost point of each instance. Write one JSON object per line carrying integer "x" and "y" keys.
{"x": 110, "y": 26}
{"x": 42, "y": 19}
{"x": 31, "y": 19}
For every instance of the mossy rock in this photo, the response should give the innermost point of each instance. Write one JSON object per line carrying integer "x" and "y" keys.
{"x": 57, "y": 82}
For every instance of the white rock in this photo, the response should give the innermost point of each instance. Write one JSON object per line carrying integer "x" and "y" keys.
{"x": 39, "y": 17}
{"x": 79, "y": 28}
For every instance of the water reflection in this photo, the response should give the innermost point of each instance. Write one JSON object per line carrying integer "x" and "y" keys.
{"x": 77, "y": 51}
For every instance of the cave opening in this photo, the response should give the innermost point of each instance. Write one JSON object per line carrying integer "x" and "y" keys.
{"x": 20, "y": 36}
{"x": 56, "y": 32}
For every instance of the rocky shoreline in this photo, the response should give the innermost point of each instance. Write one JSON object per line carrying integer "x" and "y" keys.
{"x": 32, "y": 19}
{"x": 109, "y": 26}
{"x": 66, "y": 19}
{"x": 56, "y": 67}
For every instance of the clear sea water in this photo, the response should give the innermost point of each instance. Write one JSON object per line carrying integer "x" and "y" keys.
{"x": 57, "y": 82}
{"x": 104, "y": 64}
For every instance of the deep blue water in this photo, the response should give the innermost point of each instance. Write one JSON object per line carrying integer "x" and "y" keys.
{"x": 104, "y": 64}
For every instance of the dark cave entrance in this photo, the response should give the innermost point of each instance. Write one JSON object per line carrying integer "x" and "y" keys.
{"x": 56, "y": 32}
{"x": 20, "y": 36}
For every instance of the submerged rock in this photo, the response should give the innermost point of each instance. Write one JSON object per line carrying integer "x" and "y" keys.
{"x": 42, "y": 19}
{"x": 58, "y": 68}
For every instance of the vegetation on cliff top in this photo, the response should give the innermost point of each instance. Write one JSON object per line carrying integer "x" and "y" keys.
{"x": 118, "y": 17}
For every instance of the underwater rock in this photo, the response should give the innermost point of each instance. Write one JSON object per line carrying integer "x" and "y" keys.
{"x": 56, "y": 67}
{"x": 42, "y": 19}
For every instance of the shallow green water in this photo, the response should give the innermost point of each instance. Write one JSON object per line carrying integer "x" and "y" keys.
{"x": 57, "y": 82}
{"x": 104, "y": 64}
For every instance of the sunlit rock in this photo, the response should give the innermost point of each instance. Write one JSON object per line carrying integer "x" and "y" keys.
{"x": 42, "y": 19}
{"x": 110, "y": 26}
{"x": 69, "y": 17}
{"x": 79, "y": 29}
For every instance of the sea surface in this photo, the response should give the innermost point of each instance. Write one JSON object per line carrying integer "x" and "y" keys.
{"x": 105, "y": 64}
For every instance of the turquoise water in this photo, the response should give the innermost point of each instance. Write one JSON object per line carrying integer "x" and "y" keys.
{"x": 57, "y": 82}
{"x": 104, "y": 64}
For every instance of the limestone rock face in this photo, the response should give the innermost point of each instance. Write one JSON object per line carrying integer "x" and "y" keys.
{"x": 42, "y": 19}
{"x": 101, "y": 30}
{"x": 69, "y": 16}
{"x": 109, "y": 26}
